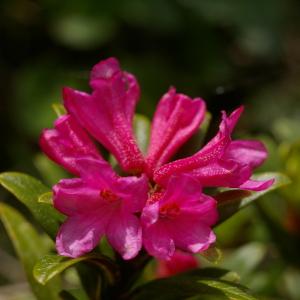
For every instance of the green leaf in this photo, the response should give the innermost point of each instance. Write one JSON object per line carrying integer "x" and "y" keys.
{"x": 28, "y": 190}
{"x": 141, "y": 127}
{"x": 30, "y": 248}
{"x": 59, "y": 109}
{"x": 231, "y": 201}
{"x": 46, "y": 198}
{"x": 204, "y": 284}
{"x": 51, "y": 265}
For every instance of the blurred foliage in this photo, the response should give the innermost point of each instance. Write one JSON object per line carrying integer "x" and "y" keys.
{"x": 228, "y": 52}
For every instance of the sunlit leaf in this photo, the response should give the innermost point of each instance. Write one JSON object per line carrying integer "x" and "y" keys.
{"x": 231, "y": 201}
{"x": 29, "y": 247}
{"x": 28, "y": 190}
{"x": 46, "y": 198}
{"x": 52, "y": 265}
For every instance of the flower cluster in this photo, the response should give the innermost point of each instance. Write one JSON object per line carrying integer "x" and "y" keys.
{"x": 160, "y": 205}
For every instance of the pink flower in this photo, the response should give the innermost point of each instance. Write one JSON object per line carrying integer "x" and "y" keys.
{"x": 176, "y": 119}
{"x": 107, "y": 113}
{"x": 99, "y": 202}
{"x": 222, "y": 162}
{"x": 178, "y": 218}
{"x": 179, "y": 262}
{"x": 177, "y": 215}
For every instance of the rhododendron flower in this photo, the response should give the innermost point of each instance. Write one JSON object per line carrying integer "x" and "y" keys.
{"x": 176, "y": 119}
{"x": 162, "y": 207}
{"x": 179, "y": 217}
{"x": 108, "y": 112}
{"x": 222, "y": 162}
{"x": 99, "y": 202}
{"x": 179, "y": 262}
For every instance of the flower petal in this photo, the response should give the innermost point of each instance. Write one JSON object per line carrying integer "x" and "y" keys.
{"x": 107, "y": 113}
{"x": 157, "y": 241}
{"x": 255, "y": 185}
{"x": 75, "y": 197}
{"x": 124, "y": 233}
{"x": 80, "y": 234}
{"x": 252, "y": 153}
{"x": 190, "y": 234}
{"x": 209, "y": 154}
{"x": 68, "y": 142}
{"x": 225, "y": 173}
{"x": 133, "y": 191}
{"x": 176, "y": 119}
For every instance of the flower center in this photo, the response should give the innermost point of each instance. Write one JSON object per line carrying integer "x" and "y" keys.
{"x": 109, "y": 196}
{"x": 169, "y": 211}
{"x": 156, "y": 196}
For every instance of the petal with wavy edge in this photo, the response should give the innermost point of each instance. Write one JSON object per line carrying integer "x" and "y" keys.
{"x": 252, "y": 153}
{"x": 107, "y": 113}
{"x": 80, "y": 234}
{"x": 176, "y": 119}
{"x": 124, "y": 233}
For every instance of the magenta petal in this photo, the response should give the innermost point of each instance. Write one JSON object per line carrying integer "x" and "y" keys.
{"x": 210, "y": 154}
{"x": 97, "y": 173}
{"x": 75, "y": 197}
{"x": 107, "y": 113}
{"x": 176, "y": 119}
{"x": 252, "y": 153}
{"x": 223, "y": 173}
{"x": 150, "y": 214}
{"x": 68, "y": 142}
{"x": 190, "y": 234}
{"x": 158, "y": 242}
{"x": 255, "y": 185}
{"x": 124, "y": 233}
{"x": 133, "y": 191}
{"x": 80, "y": 234}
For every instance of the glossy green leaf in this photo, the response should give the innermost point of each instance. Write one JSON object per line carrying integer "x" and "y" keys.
{"x": 231, "y": 201}
{"x": 30, "y": 247}
{"x": 141, "y": 126}
{"x": 46, "y": 198}
{"x": 205, "y": 284}
{"x": 28, "y": 190}
{"x": 51, "y": 265}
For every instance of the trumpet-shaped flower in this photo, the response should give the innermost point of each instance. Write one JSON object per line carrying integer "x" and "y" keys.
{"x": 176, "y": 119}
{"x": 99, "y": 202}
{"x": 178, "y": 215}
{"x": 222, "y": 162}
{"x": 107, "y": 113}
{"x": 178, "y": 218}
